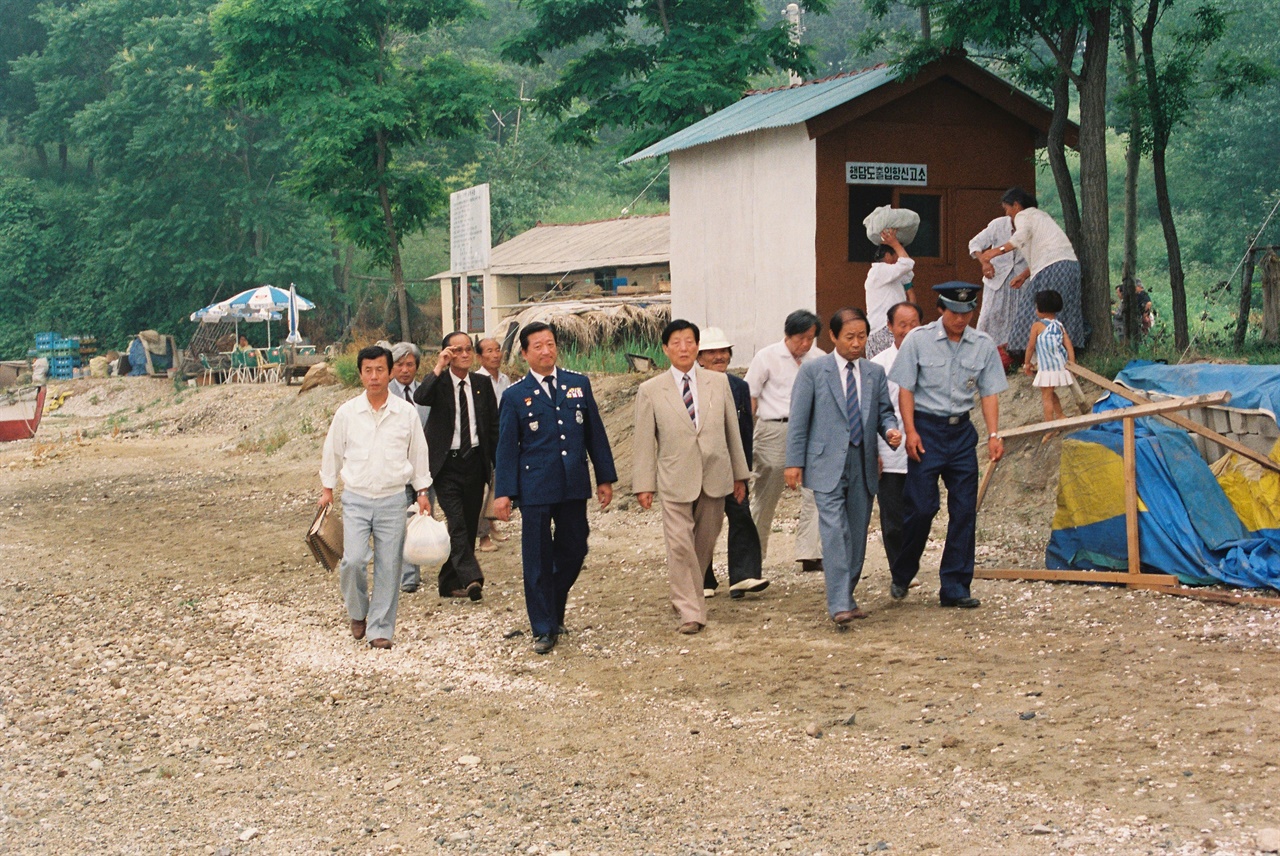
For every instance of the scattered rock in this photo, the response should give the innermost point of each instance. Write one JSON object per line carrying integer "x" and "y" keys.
{"x": 1040, "y": 829}
{"x": 1030, "y": 714}
{"x": 392, "y": 784}
{"x": 469, "y": 760}
{"x": 250, "y": 834}
{"x": 813, "y": 729}
{"x": 950, "y": 741}
{"x": 1268, "y": 840}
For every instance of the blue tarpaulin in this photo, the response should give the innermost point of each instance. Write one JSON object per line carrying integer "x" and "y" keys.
{"x": 1187, "y": 525}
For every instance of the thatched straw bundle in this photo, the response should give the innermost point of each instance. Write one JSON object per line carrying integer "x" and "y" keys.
{"x": 589, "y": 324}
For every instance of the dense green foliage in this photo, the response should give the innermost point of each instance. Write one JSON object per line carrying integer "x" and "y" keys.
{"x": 652, "y": 67}
{"x": 130, "y": 195}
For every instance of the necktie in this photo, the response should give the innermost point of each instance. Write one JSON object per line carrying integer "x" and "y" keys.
{"x": 550, "y": 381}
{"x": 852, "y": 407}
{"x": 688, "y": 401}
{"x": 464, "y": 419}
{"x": 407, "y": 396}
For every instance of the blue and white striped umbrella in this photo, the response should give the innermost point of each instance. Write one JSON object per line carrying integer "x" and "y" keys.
{"x": 264, "y": 297}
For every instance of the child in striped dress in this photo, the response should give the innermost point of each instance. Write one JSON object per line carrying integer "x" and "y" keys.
{"x": 1049, "y": 349}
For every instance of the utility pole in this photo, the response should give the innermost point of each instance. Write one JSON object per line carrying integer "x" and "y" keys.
{"x": 792, "y": 13}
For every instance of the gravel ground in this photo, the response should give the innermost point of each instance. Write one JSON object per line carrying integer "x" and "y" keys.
{"x": 177, "y": 677}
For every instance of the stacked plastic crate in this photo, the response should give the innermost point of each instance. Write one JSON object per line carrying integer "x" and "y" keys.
{"x": 63, "y": 354}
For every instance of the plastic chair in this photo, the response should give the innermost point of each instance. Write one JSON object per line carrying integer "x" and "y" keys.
{"x": 269, "y": 365}
{"x": 244, "y": 366}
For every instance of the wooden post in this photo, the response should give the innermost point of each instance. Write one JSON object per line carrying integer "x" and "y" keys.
{"x": 1246, "y": 297}
{"x": 986, "y": 480}
{"x": 1271, "y": 296}
{"x": 1131, "y": 496}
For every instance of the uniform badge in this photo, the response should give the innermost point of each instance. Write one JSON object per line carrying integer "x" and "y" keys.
{"x": 971, "y": 384}
{"x": 533, "y": 426}
{"x": 577, "y": 414}
{"x": 573, "y": 392}
{"x": 528, "y": 401}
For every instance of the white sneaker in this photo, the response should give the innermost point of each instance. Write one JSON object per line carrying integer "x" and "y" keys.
{"x": 750, "y": 585}
{"x": 706, "y": 592}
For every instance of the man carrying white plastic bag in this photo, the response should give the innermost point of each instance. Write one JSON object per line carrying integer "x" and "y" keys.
{"x": 376, "y": 445}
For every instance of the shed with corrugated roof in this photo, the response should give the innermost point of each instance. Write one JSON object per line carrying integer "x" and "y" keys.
{"x": 626, "y": 255}
{"x": 768, "y": 195}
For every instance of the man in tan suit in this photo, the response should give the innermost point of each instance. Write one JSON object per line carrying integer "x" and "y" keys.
{"x": 688, "y": 449}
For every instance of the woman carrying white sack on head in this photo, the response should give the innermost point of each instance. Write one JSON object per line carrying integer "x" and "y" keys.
{"x": 887, "y": 282}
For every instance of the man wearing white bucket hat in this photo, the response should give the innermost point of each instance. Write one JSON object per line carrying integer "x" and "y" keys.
{"x": 715, "y": 351}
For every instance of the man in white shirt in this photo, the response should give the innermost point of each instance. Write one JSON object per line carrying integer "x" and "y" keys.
{"x": 887, "y": 281}
{"x": 376, "y": 445}
{"x": 773, "y": 371}
{"x": 405, "y": 358}
{"x": 903, "y": 318}
{"x": 490, "y": 353}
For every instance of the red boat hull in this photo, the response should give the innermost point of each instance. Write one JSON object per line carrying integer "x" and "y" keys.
{"x": 20, "y": 419}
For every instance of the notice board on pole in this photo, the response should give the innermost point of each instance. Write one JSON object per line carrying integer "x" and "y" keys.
{"x": 469, "y": 234}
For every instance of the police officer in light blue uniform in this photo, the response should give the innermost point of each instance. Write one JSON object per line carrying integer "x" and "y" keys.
{"x": 548, "y": 426}
{"x": 940, "y": 368}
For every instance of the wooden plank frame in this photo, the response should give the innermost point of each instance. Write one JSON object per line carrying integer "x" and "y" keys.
{"x": 1134, "y": 577}
{"x": 1176, "y": 418}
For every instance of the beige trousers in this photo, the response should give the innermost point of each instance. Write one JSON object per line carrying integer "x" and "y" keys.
{"x": 690, "y": 530}
{"x": 770, "y": 452}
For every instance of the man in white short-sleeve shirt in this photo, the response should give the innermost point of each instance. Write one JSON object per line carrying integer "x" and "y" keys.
{"x": 771, "y": 375}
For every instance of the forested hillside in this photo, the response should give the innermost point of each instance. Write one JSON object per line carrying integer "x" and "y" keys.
{"x": 154, "y": 157}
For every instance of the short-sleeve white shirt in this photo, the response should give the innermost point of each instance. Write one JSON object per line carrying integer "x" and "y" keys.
{"x": 891, "y": 460}
{"x": 886, "y": 286}
{"x": 771, "y": 375}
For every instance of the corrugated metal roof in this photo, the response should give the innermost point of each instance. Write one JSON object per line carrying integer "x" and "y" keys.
{"x": 774, "y": 109}
{"x": 555, "y": 249}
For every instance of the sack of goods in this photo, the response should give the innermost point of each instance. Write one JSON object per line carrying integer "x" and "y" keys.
{"x": 904, "y": 220}
{"x": 426, "y": 540}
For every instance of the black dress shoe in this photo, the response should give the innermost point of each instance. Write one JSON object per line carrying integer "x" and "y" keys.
{"x": 475, "y": 591}
{"x": 962, "y": 602}
{"x": 737, "y": 595}
{"x": 810, "y": 564}
{"x": 544, "y": 644}
{"x": 897, "y": 592}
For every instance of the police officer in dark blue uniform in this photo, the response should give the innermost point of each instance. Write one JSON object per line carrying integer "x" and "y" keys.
{"x": 548, "y": 426}
{"x": 940, "y": 368}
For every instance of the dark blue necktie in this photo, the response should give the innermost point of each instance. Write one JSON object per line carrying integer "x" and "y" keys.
{"x": 852, "y": 407}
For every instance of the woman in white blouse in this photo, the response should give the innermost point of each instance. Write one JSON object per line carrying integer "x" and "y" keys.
{"x": 1051, "y": 261}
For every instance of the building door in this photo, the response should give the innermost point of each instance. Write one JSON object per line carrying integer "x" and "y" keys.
{"x": 455, "y": 291}
{"x": 475, "y": 304}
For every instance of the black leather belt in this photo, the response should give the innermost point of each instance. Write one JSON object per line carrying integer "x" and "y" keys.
{"x": 783, "y": 419}
{"x": 458, "y": 453}
{"x": 954, "y": 419}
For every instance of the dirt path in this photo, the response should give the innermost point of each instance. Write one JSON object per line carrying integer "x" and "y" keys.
{"x": 176, "y": 677}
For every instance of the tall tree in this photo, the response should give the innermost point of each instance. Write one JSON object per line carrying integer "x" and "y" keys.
{"x": 1058, "y": 44}
{"x": 652, "y": 67}
{"x": 1176, "y": 75}
{"x": 354, "y": 84}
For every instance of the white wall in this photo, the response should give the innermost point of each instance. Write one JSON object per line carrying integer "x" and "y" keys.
{"x": 743, "y": 226}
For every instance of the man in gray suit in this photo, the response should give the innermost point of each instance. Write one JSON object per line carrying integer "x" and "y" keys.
{"x": 839, "y": 403}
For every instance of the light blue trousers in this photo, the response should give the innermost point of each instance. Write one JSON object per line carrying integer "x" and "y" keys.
{"x": 843, "y": 515}
{"x": 382, "y": 522}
